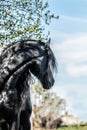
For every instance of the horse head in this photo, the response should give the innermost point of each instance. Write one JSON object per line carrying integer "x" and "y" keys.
{"x": 43, "y": 65}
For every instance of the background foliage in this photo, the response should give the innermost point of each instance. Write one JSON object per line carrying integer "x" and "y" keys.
{"x": 46, "y": 102}
{"x": 21, "y": 19}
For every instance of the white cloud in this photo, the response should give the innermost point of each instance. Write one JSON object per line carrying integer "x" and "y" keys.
{"x": 75, "y": 96}
{"x": 72, "y": 49}
{"x": 73, "y": 53}
{"x": 73, "y": 19}
{"x": 78, "y": 71}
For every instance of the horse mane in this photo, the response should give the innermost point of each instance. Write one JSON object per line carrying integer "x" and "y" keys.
{"x": 34, "y": 44}
{"x": 21, "y": 43}
{"x": 27, "y": 41}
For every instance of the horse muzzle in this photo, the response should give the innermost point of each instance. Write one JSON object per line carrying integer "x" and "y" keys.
{"x": 48, "y": 84}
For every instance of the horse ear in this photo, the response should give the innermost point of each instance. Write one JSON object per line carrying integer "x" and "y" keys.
{"x": 48, "y": 42}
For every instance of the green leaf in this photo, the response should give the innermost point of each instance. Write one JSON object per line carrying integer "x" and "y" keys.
{"x": 24, "y": 19}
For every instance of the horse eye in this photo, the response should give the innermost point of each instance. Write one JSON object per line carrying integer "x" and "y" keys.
{"x": 40, "y": 58}
{"x": 40, "y": 61}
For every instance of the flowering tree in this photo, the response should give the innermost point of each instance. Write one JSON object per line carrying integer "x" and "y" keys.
{"x": 47, "y": 102}
{"x": 21, "y": 19}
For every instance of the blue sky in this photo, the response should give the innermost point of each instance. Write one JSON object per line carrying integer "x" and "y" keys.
{"x": 69, "y": 43}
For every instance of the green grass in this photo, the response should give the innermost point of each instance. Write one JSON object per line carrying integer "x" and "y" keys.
{"x": 73, "y": 128}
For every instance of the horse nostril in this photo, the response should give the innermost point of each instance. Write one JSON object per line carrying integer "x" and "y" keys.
{"x": 52, "y": 83}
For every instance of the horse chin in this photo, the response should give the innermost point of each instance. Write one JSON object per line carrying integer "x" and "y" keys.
{"x": 47, "y": 85}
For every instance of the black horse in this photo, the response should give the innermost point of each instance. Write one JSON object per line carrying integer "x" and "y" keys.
{"x": 17, "y": 62}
